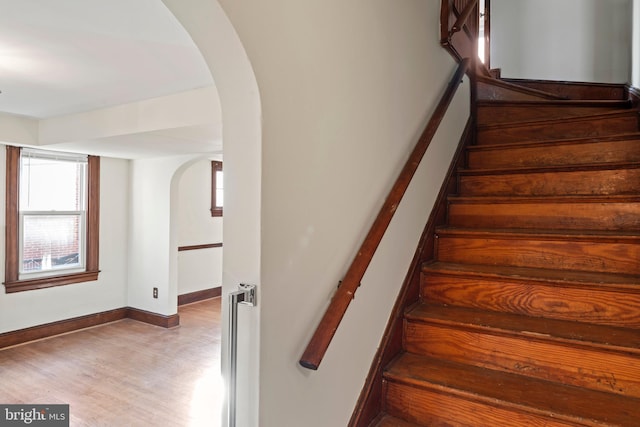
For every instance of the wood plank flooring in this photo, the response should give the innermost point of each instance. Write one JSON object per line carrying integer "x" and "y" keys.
{"x": 125, "y": 373}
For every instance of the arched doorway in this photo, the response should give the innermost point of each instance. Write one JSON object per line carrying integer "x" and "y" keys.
{"x": 216, "y": 38}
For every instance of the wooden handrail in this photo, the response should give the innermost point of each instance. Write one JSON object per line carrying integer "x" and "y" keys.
{"x": 463, "y": 17}
{"x": 325, "y": 331}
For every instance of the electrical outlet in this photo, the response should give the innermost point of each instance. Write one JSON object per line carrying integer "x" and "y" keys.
{"x": 155, "y": 292}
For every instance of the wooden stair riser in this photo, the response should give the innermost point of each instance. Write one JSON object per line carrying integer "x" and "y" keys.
{"x": 588, "y": 304}
{"x": 492, "y": 114}
{"x": 436, "y": 407}
{"x": 560, "y": 253}
{"x": 541, "y": 131}
{"x": 560, "y": 154}
{"x": 552, "y": 183}
{"x": 531, "y": 356}
{"x": 564, "y": 215}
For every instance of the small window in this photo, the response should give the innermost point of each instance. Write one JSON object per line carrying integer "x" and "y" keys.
{"x": 52, "y": 219}
{"x": 217, "y": 188}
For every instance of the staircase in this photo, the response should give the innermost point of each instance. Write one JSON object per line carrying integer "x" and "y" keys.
{"x": 529, "y": 314}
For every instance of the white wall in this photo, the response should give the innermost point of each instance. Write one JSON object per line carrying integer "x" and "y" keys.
{"x": 635, "y": 73}
{"x": 153, "y": 237}
{"x": 198, "y": 269}
{"x": 31, "y": 308}
{"x": 345, "y": 88}
{"x": 575, "y": 40}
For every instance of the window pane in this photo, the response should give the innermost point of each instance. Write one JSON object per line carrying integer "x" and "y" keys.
{"x": 50, "y": 242}
{"x": 219, "y": 197}
{"x": 49, "y": 184}
{"x": 219, "y": 179}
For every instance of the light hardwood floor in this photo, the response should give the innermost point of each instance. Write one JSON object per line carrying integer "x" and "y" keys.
{"x": 125, "y": 373}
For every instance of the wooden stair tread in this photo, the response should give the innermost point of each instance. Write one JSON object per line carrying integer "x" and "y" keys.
{"x": 574, "y": 333}
{"x": 566, "y": 277}
{"x": 574, "y": 90}
{"x": 494, "y": 111}
{"x": 517, "y": 88}
{"x": 601, "y": 179}
{"x": 551, "y": 169}
{"x": 615, "y": 251}
{"x": 615, "y": 198}
{"x": 496, "y": 388}
{"x": 548, "y": 122}
{"x": 555, "y": 142}
{"x": 609, "y": 103}
{"x": 558, "y": 212}
{"x": 524, "y": 234}
{"x": 390, "y": 421}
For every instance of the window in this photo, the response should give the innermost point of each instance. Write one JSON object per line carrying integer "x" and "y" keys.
{"x": 217, "y": 188}
{"x": 52, "y": 215}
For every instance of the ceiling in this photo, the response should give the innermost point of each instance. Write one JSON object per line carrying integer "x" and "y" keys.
{"x": 62, "y": 58}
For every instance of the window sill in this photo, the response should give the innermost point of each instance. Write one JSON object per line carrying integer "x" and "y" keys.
{"x": 49, "y": 282}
